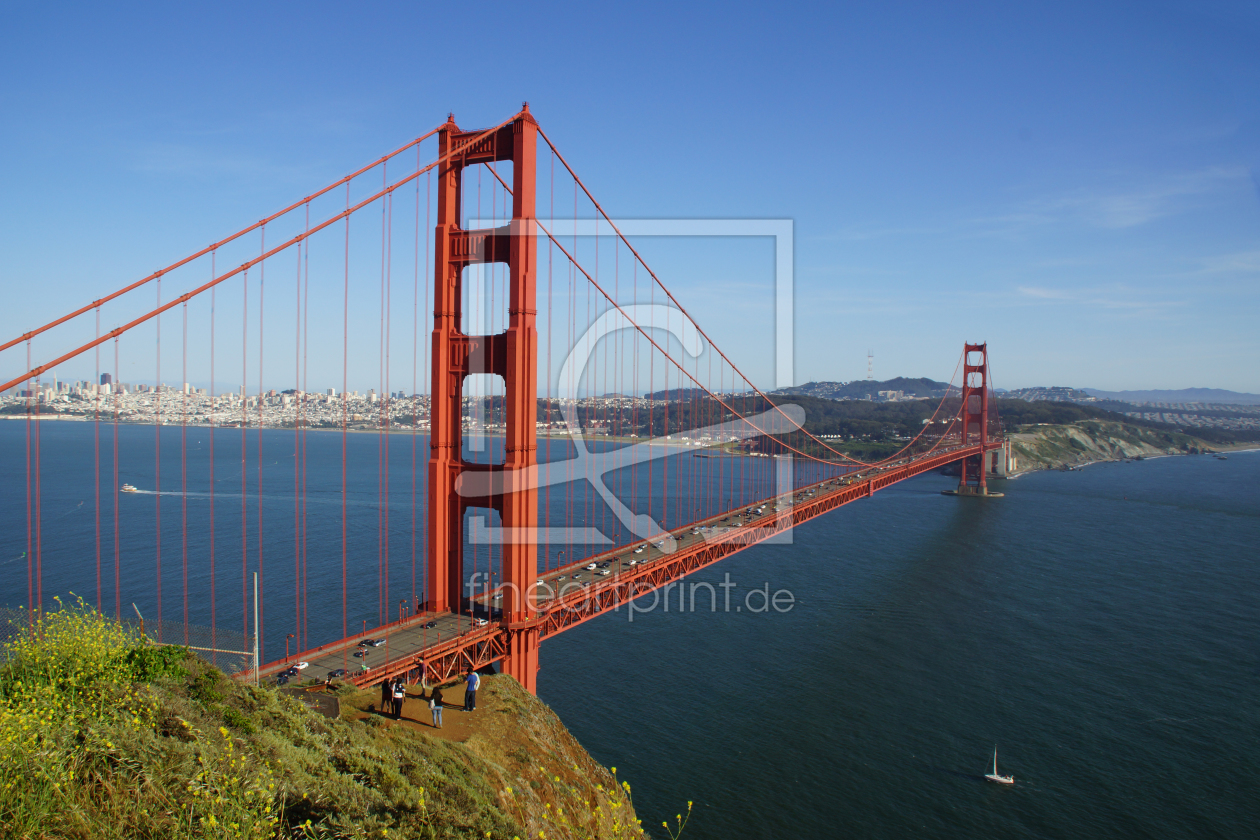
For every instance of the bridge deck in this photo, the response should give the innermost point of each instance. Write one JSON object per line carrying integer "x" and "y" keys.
{"x": 445, "y": 644}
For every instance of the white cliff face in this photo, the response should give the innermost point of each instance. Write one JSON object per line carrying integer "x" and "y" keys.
{"x": 1051, "y": 447}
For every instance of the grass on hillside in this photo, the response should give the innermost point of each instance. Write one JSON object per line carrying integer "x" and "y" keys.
{"x": 103, "y": 735}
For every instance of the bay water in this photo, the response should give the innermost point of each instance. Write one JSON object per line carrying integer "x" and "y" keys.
{"x": 1100, "y": 627}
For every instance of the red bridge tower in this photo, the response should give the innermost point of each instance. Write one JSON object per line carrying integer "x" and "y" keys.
{"x": 512, "y": 355}
{"x": 975, "y": 420}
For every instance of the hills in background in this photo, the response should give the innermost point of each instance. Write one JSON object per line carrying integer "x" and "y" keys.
{"x": 865, "y": 389}
{"x": 858, "y": 389}
{"x": 1217, "y": 396}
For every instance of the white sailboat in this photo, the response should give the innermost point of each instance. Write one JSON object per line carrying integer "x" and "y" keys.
{"x": 995, "y": 776}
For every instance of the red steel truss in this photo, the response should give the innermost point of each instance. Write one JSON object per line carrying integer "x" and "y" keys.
{"x": 483, "y": 646}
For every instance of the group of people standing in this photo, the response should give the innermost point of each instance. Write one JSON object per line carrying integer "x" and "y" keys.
{"x": 393, "y": 692}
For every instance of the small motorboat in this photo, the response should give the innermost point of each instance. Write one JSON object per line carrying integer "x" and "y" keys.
{"x": 130, "y": 488}
{"x": 995, "y": 776}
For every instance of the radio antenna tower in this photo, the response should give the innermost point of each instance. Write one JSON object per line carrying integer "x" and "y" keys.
{"x": 870, "y": 366}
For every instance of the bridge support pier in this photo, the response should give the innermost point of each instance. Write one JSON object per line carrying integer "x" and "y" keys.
{"x": 522, "y": 659}
{"x": 513, "y": 354}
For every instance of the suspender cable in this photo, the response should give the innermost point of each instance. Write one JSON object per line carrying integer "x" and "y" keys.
{"x": 213, "y": 407}
{"x": 32, "y": 605}
{"x": 306, "y": 339}
{"x": 117, "y": 506}
{"x": 545, "y": 497}
{"x": 345, "y": 351}
{"x": 298, "y": 396}
{"x": 380, "y": 429}
{"x": 260, "y": 612}
{"x": 183, "y": 469}
{"x": 157, "y": 461}
{"x": 96, "y": 451}
{"x": 39, "y": 507}
{"x": 244, "y": 456}
{"x": 428, "y": 264}
{"x": 415, "y": 355}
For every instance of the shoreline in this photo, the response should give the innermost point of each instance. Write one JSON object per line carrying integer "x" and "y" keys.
{"x": 1233, "y": 447}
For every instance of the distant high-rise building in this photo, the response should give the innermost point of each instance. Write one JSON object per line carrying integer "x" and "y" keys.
{"x": 107, "y": 379}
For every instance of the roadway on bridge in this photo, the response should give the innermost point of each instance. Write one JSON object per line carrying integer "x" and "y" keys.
{"x": 406, "y": 641}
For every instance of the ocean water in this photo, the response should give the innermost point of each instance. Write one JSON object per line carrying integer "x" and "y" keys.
{"x": 1099, "y": 627}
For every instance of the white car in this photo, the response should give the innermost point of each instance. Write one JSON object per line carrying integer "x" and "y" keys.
{"x": 634, "y": 561}
{"x": 591, "y": 566}
{"x": 605, "y": 572}
{"x": 302, "y": 666}
{"x": 479, "y": 622}
{"x": 639, "y": 550}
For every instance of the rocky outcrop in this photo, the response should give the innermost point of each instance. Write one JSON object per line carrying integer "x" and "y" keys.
{"x": 1043, "y": 447}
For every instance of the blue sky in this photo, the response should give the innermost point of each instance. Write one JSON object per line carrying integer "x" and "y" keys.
{"x": 1075, "y": 183}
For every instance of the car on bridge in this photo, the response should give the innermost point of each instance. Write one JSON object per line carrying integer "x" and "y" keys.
{"x": 639, "y": 549}
{"x": 337, "y": 673}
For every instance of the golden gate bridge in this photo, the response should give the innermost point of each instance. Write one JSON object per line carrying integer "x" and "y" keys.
{"x": 464, "y": 236}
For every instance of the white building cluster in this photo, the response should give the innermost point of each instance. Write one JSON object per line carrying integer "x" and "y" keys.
{"x": 184, "y": 404}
